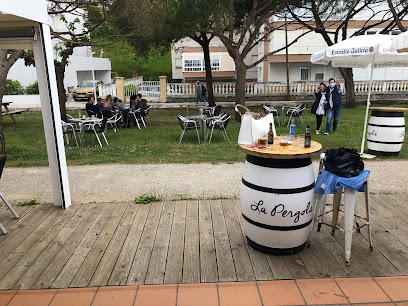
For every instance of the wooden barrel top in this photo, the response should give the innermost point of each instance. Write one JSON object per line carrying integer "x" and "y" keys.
{"x": 292, "y": 151}
{"x": 390, "y": 109}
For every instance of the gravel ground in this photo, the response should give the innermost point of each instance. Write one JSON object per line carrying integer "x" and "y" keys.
{"x": 118, "y": 182}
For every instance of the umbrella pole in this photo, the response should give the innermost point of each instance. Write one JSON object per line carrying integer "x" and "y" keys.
{"x": 368, "y": 105}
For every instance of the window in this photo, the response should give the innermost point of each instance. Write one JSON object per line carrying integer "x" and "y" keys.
{"x": 192, "y": 65}
{"x": 215, "y": 65}
{"x": 178, "y": 63}
{"x": 304, "y": 74}
{"x": 319, "y": 76}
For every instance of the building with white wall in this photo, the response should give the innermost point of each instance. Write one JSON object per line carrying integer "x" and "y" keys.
{"x": 80, "y": 62}
{"x": 188, "y": 61}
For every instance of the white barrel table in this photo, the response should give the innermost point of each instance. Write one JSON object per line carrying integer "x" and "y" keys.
{"x": 277, "y": 197}
{"x": 386, "y": 130}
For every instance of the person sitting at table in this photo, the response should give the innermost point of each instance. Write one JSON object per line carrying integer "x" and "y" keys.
{"x": 141, "y": 103}
{"x": 133, "y": 101}
{"x": 123, "y": 108}
{"x": 108, "y": 107}
{"x": 91, "y": 108}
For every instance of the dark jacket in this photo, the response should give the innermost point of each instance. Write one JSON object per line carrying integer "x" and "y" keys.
{"x": 336, "y": 95}
{"x": 92, "y": 109}
{"x": 142, "y": 103}
{"x": 316, "y": 103}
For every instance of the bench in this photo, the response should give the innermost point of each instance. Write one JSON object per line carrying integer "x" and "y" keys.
{"x": 10, "y": 113}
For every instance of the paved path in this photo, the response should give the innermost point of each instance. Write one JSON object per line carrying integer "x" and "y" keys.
{"x": 361, "y": 291}
{"x": 120, "y": 182}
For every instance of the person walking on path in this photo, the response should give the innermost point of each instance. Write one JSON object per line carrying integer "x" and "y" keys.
{"x": 199, "y": 92}
{"x": 204, "y": 93}
{"x": 333, "y": 106}
{"x": 318, "y": 105}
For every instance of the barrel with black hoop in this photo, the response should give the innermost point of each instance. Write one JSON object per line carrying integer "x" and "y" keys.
{"x": 277, "y": 197}
{"x": 386, "y": 131}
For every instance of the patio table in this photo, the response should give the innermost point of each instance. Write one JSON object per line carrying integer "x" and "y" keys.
{"x": 283, "y": 106}
{"x": 201, "y": 108}
{"x": 81, "y": 122}
{"x": 203, "y": 123}
{"x": 277, "y": 196}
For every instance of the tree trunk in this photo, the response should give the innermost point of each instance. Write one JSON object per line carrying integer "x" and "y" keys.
{"x": 208, "y": 71}
{"x": 347, "y": 74}
{"x": 6, "y": 61}
{"x": 241, "y": 69}
{"x": 62, "y": 96}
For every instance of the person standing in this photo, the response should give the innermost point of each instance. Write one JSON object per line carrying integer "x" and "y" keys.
{"x": 204, "y": 93}
{"x": 333, "y": 106}
{"x": 199, "y": 92}
{"x": 319, "y": 104}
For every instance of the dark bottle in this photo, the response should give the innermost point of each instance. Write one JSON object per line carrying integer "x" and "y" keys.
{"x": 270, "y": 134}
{"x": 308, "y": 137}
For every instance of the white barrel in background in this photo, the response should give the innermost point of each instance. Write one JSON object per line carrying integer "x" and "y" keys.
{"x": 277, "y": 200}
{"x": 385, "y": 132}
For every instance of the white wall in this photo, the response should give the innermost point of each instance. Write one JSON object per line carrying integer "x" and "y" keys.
{"x": 23, "y": 100}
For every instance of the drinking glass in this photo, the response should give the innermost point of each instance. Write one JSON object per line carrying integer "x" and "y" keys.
{"x": 284, "y": 141}
{"x": 300, "y": 140}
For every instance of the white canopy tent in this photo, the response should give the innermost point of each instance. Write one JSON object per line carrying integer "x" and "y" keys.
{"x": 24, "y": 25}
{"x": 400, "y": 42}
{"x": 359, "y": 52}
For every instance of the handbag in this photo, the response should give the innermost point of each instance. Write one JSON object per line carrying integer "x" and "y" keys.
{"x": 343, "y": 162}
{"x": 253, "y": 127}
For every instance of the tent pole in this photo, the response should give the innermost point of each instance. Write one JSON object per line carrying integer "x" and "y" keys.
{"x": 368, "y": 105}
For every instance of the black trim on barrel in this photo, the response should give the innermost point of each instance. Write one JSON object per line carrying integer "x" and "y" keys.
{"x": 374, "y": 152}
{"x": 385, "y": 142}
{"x": 387, "y": 126}
{"x": 279, "y": 163}
{"x": 275, "y": 227}
{"x": 387, "y": 114}
{"x": 275, "y": 251}
{"x": 276, "y": 190}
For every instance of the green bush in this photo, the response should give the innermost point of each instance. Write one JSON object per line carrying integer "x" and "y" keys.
{"x": 32, "y": 89}
{"x": 13, "y": 88}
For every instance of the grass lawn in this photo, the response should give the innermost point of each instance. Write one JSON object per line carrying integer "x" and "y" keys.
{"x": 158, "y": 143}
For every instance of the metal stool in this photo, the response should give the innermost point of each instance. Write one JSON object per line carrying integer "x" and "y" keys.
{"x": 350, "y": 213}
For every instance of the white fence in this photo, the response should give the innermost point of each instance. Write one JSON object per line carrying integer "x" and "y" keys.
{"x": 228, "y": 88}
{"x": 107, "y": 89}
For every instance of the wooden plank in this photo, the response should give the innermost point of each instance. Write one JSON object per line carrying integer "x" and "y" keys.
{"x": 105, "y": 267}
{"x": 23, "y": 241}
{"x": 157, "y": 264}
{"x": 89, "y": 265}
{"x": 75, "y": 261}
{"x": 19, "y": 273}
{"x": 392, "y": 209}
{"x": 326, "y": 260}
{"x": 191, "y": 264}
{"x": 312, "y": 264}
{"x": 363, "y": 261}
{"x": 258, "y": 259}
{"x": 48, "y": 276}
{"x": 208, "y": 260}
{"x": 243, "y": 266}
{"x": 35, "y": 270}
{"x": 296, "y": 266}
{"x": 174, "y": 265}
{"x": 22, "y": 223}
{"x": 338, "y": 252}
{"x": 278, "y": 267}
{"x": 225, "y": 261}
{"x": 123, "y": 264}
{"x": 137, "y": 274}
{"x": 8, "y": 218}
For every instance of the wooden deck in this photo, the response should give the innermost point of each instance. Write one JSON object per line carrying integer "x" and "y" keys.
{"x": 180, "y": 242}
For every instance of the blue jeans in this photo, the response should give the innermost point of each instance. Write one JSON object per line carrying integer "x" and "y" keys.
{"x": 330, "y": 112}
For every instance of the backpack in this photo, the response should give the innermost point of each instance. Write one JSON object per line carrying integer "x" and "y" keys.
{"x": 343, "y": 162}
